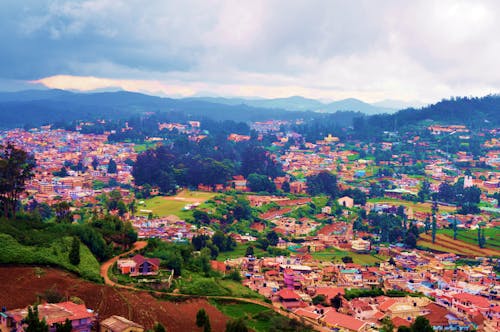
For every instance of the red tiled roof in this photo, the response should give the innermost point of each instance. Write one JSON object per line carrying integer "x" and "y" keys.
{"x": 437, "y": 315}
{"x": 386, "y": 305}
{"x": 476, "y": 300}
{"x": 139, "y": 259}
{"x": 334, "y": 318}
{"x": 288, "y": 294}
{"x": 398, "y": 321}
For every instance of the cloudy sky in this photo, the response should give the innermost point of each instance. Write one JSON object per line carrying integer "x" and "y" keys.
{"x": 372, "y": 50}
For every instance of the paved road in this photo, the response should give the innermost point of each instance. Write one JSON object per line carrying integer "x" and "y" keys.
{"x": 141, "y": 244}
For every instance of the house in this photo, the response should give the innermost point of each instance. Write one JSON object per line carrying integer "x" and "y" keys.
{"x": 342, "y": 322}
{"x": 289, "y": 299}
{"x": 139, "y": 265}
{"x": 346, "y": 201}
{"x": 81, "y": 318}
{"x": 360, "y": 246}
{"x": 120, "y": 324}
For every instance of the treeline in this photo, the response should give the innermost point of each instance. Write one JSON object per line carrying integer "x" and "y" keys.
{"x": 475, "y": 112}
{"x": 209, "y": 162}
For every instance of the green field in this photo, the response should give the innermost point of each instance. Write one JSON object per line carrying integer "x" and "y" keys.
{"x": 492, "y": 236}
{"x": 334, "y": 254}
{"x": 256, "y": 317}
{"x": 240, "y": 251}
{"x": 55, "y": 254}
{"x": 416, "y": 207}
{"x": 144, "y": 146}
{"x": 196, "y": 284}
{"x": 165, "y": 206}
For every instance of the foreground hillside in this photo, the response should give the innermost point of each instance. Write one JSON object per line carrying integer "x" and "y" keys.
{"x": 22, "y": 285}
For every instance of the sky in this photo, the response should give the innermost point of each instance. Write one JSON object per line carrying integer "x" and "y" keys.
{"x": 329, "y": 50}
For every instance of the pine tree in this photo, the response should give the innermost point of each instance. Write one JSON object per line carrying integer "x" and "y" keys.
{"x": 33, "y": 321}
{"x": 455, "y": 228}
{"x": 66, "y": 327}
{"x": 201, "y": 317}
{"x": 159, "y": 328}
{"x": 111, "y": 166}
{"x": 74, "y": 253}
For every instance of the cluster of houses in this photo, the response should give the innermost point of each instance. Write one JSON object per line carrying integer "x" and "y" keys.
{"x": 57, "y": 149}
{"x": 451, "y": 297}
{"x": 82, "y": 319}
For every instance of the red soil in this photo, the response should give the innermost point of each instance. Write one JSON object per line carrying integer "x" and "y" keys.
{"x": 20, "y": 286}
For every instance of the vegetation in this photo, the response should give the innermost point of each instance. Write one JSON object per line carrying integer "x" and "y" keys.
{"x": 16, "y": 167}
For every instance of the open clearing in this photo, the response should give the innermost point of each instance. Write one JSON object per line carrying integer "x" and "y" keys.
{"x": 167, "y": 205}
{"x": 416, "y": 207}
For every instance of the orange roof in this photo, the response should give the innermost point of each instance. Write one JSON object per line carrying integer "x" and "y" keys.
{"x": 476, "y": 300}
{"x": 334, "y": 318}
{"x": 386, "y": 305}
{"x": 398, "y": 321}
{"x": 288, "y": 294}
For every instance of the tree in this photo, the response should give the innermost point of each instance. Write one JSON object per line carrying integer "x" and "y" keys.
{"x": 249, "y": 251}
{"x": 421, "y": 324}
{"x": 202, "y": 320}
{"x": 387, "y": 325}
{"x": 33, "y": 322}
{"x": 16, "y": 168}
{"x": 259, "y": 182}
{"x": 236, "y": 325}
{"x": 159, "y": 328}
{"x": 112, "y": 166}
{"x": 74, "y": 253}
{"x": 337, "y": 301}
{"x": 434, "y": 225}
{"x": 323, "y": 183}
{"x": 63, "y": 214}
{"x": 65, "y": 327}
{"x": 201, "y": 317}
{"x": 455, "y": 228}
{"x": 95, "y": 163}
{"x": 273, "y": 238}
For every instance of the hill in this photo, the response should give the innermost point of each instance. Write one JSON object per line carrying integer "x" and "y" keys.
{"x": 54, "y": 254}
{"x": 38, "y": 107}
{"x": 477, "y": 112}
{"x": 22, "y": 285}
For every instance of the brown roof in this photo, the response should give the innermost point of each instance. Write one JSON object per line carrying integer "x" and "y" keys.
{"x": 118, "y": 324}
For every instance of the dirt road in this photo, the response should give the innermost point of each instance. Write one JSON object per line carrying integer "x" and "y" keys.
{"x": 108, "y": 264}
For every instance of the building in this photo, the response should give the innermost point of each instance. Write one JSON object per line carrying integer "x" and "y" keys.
{"x": 139, "y": 266}
{"x": 360, "y": 245}
{"x": 120, "y": 324}
{"x": 346, "y": 201}
{"x": 81, "y": 318}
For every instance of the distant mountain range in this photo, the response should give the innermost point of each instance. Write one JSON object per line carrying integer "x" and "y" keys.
{"x": 37, "y": 107}
{"x": 297, "y": 103}
{"x": 45, "y": 106}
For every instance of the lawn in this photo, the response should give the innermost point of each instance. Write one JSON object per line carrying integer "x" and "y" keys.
{"x": 240, "y": 251}
{"x": 144, "y": 146}
{"x": 193, "y": 283}
{"x": 167, "y": 205}
{"x": 416, "y": 207}
{"x": 256, "y": 317}
{"x": 334, "y": 254}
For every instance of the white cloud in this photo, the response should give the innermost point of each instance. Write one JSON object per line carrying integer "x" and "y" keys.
{"x": 424, "y": 50}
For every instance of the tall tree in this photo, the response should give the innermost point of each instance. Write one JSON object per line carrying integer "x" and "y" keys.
{"x": 236, "y": 325}
{"x": 16, "y": 168}
{"x": 64, "y": 327}
{"x": 33, "y": 322}
{"x": 112, "y": 166}
{"x": 434, "y": 224}
{"x": 74, "y": 253}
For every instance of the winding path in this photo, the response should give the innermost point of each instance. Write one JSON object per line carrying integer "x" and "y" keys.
{"x": 142, "y": 244}
{"x": 109, "y": 263}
